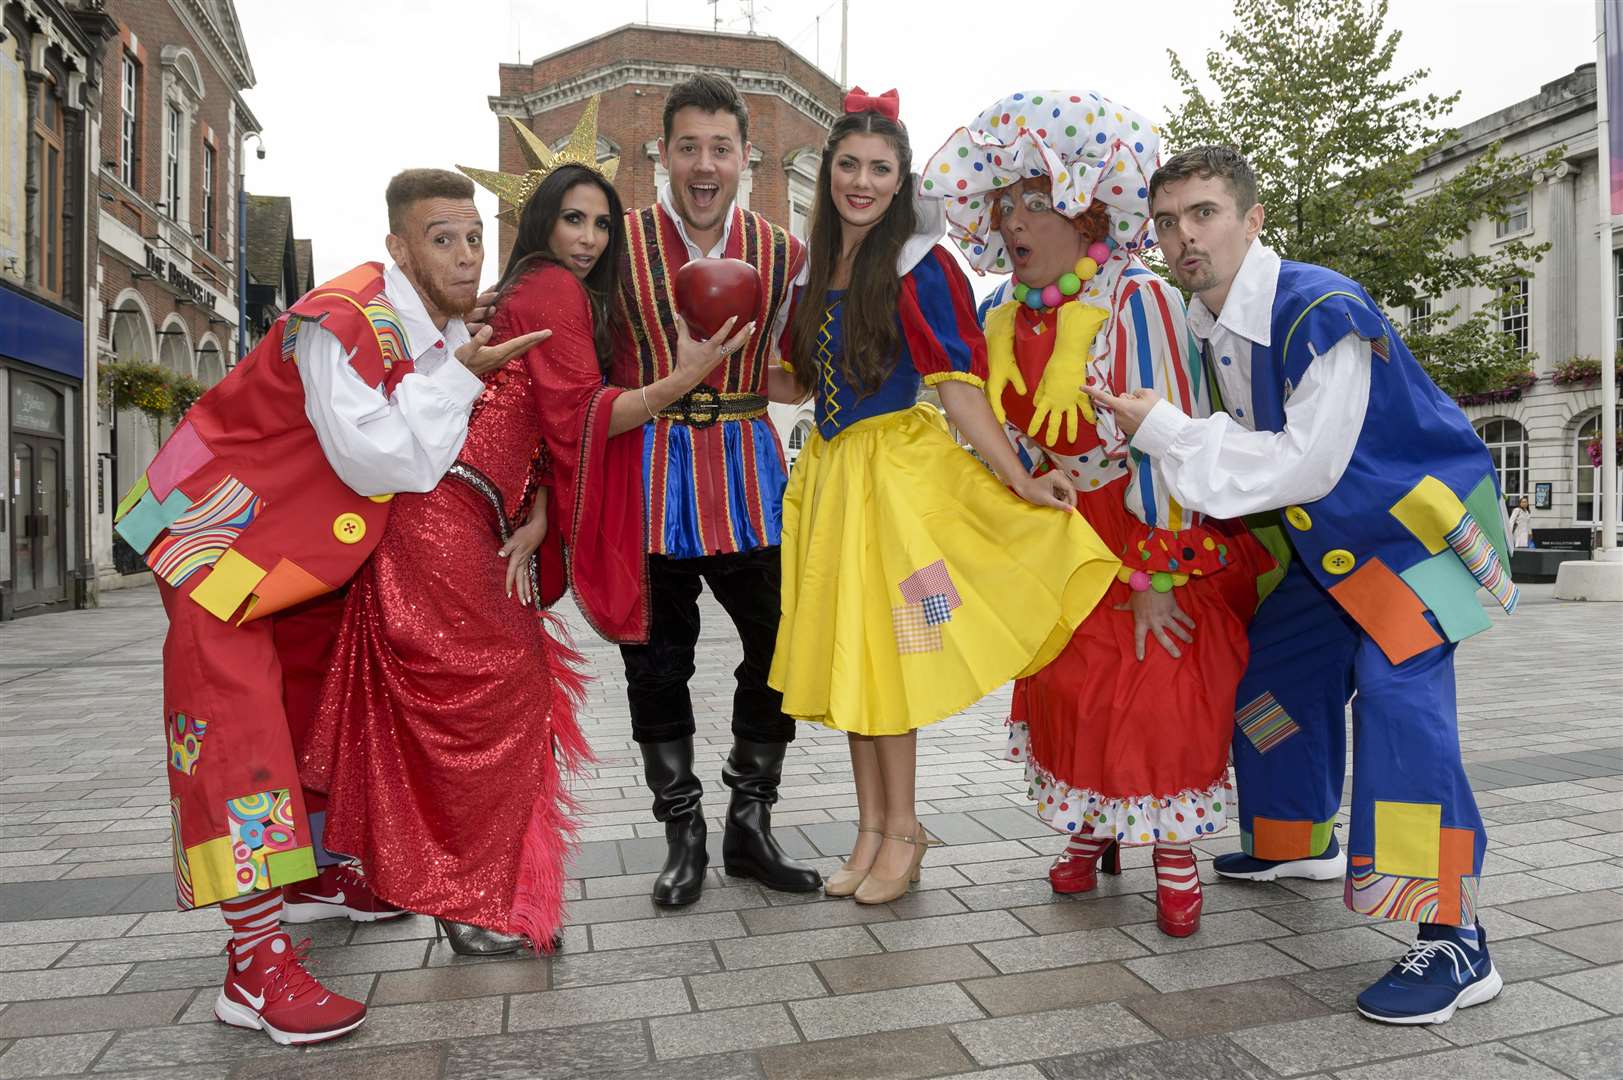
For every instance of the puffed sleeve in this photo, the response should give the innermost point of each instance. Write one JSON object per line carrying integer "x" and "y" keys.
{"x": 595, "y": 543}
{"x": 939, "y": 326}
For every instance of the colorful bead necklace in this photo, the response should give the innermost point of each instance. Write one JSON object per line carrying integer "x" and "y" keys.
{"x": 1069, "y": 286}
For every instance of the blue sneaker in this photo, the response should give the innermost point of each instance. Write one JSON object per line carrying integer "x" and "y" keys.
{"x": 1326, "y": 867}
{"x": 1441, "y": 972}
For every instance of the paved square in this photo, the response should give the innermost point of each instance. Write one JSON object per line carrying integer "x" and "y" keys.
{"x": 981, "y": 971}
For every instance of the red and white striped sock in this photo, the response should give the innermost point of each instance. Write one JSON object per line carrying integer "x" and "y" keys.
{"x": 1087, "y": 846}
{"x": 253, "y": 919}
{"x": 1175, "y": 867}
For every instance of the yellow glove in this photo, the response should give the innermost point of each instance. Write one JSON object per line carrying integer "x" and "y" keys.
{"x": 1002, "y": 370}
{"x": 1059, "y": 393}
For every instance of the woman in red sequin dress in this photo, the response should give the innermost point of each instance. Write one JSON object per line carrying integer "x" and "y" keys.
{"x": 449, "y": 712}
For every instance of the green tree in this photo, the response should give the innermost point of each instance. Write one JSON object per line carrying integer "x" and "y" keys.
{"x": 1306, "y": 90}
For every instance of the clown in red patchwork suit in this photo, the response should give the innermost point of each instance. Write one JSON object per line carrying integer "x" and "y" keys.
{"x": 255, "y": 513}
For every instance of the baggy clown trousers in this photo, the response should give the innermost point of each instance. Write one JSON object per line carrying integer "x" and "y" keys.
{"x": 1416, "y": 841}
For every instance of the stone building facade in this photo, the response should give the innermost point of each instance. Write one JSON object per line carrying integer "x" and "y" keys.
{"x": 49, "y": 90}
{"x": 168, "y": 178}
{"x": 1539, "y": 436}
{"x": 791, "y": 103}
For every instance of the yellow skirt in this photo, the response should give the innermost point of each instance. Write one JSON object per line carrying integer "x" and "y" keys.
{"x": 914, "y": 583}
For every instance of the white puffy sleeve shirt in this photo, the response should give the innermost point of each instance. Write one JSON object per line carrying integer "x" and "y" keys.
{"x": 379, "y": 444}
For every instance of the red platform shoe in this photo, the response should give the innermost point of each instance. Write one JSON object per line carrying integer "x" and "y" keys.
{"x": 1076, "y": 869}
{"x": 1177, "y": 890}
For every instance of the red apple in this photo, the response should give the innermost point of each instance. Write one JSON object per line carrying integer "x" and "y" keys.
{"x": 711, "y": 291}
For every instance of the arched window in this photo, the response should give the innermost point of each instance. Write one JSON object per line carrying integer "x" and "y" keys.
{"x": 1586, "y": 475}
{"x": 1507, "y": 445}
{"x": 797, "y": 438}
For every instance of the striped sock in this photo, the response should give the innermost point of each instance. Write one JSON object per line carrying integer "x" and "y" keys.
{"x": 253, "y": 919}
{"x": 1087, "y": 846}
{"x": 1175, "y": 867}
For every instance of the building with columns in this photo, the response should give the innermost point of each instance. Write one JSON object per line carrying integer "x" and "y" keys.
{"x": 49, "y": 97}
{"x": 1539, "y": 435}
{"x": 792, "y": 103}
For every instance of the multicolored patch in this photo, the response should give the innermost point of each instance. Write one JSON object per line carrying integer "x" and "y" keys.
{"x": 185, "y": 741}
{"x": 389, "y": 330}
{"x": 1471, "y": 544}
{"x": 290, "y": 334}
{"x": 1389, "y": 896}
{"x": 183, "y": 869}
{"x": 1271, "y": 838}
{"x": 1265, "y": 722}
{"x": 261, "y": 826}
{"x": 198, "y": 537}
{"x": 914, "y": 631}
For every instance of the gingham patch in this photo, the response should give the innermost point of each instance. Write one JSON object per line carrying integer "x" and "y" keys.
{"x": 932, "y": 580}
{"x": 937, "y": 610}
{"x": 914, "y": 633}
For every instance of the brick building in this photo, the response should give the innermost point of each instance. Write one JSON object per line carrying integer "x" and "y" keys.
{"x": 168, "y": 180}
{"x": 49, "y": 89}
{"x": 791, "y": 103}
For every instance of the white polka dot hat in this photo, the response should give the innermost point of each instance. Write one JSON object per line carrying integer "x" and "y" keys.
{"x": 1091, "y": 147}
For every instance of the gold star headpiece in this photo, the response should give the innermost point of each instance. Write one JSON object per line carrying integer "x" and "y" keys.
{"x": 515, "y": 190}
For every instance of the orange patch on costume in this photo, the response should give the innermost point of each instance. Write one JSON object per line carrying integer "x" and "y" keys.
{"x": 1456, "y": 858}
{"x": 1275, "y": 840}
{"x": 1388, "y": 610}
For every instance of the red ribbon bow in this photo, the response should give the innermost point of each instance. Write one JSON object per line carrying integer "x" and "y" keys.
{"x": 886, "y": 104}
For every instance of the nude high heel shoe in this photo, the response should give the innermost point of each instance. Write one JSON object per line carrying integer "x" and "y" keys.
{"x": 877, "y": 890}
{"x": 844, "y": 881}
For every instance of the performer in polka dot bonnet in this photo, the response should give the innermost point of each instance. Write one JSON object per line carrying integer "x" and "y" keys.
{"x": 1125, "y": 739}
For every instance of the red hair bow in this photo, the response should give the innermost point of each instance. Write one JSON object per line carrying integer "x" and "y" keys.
{"x": 886, "y": 104}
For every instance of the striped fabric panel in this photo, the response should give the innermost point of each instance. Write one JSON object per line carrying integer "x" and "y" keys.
{"x": 201, "y": 535}
{"x": 1471, "y": 544}
{"x": 1265, "y": 722}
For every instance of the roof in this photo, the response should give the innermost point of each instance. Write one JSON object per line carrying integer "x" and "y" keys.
{"x": 305, "y": 261}
{"x": 269, "y": 237}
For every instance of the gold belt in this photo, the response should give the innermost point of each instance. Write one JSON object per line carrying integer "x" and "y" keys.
{"x": 704, "y": 406}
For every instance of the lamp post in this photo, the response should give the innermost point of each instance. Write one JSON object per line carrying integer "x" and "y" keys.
{"x": 242, "y": 245}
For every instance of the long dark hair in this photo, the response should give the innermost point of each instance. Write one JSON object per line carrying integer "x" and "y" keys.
{"x": 872, "y": 340}
{"x": 534, "y": 244}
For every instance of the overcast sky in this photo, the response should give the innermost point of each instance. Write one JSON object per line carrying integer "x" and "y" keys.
{"x": 351, "y": 91}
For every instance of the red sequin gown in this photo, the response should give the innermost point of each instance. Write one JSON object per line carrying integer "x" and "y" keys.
{"x": 449, "y": 711}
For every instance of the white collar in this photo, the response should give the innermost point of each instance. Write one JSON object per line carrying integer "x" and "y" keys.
{"x": 421, "y": 333}
{"x": 930, "y": 216}
{"x": 1249, "y": 309}
{"x": 716, "y": 252}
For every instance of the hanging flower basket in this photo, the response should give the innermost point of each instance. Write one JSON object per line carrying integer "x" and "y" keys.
{"x": 156, "y": 392}
{"x": 1593, "y": 446}
{"x": 1511, "y": 391}
{"x": 1580, "y": 370}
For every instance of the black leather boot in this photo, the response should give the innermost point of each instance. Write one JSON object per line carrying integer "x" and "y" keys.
{"x": 748, "y": 849}
{"x": 668, "y": 767}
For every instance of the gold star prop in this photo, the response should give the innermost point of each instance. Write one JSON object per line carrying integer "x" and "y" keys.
{"x": 515, "y": 189}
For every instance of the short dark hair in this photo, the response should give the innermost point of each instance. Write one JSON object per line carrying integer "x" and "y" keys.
{"x": 711, "y": 94}
{"x": 415, "y": 185}
{"x": 1205, "y": 162}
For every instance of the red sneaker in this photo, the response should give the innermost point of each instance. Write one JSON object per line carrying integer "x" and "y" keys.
{"x": 1177, "y": 909}
{"x": 275, "y": 994}
{"x": 1074, "y": 872}
{"x": 337, "y": 892}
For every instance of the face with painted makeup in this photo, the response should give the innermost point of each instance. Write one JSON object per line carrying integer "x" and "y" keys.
{"x": 1043, "y": 243}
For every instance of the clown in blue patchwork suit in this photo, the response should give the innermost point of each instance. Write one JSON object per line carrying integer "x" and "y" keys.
{"x": 1382, "y": 503}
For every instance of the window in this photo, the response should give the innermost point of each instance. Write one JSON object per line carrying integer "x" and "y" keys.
{"x": 1507, "y": 445}
{"x": 1420, "y": 316}
{"x": 171, "y": 162}
{"x": 1518, "y": 216}
{"x": 53, "y": 188}
{"x": 128, "y": 144}
{"x": 208, "y": 197}
{"x": 1586, "y": 478}
{"x": 799, "y": 219}
{"x": 797, "y": 438}
{"x": 1513, "y": 316}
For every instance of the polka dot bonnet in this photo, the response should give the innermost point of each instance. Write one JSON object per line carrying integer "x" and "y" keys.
{"x": 1090, "y": 147}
